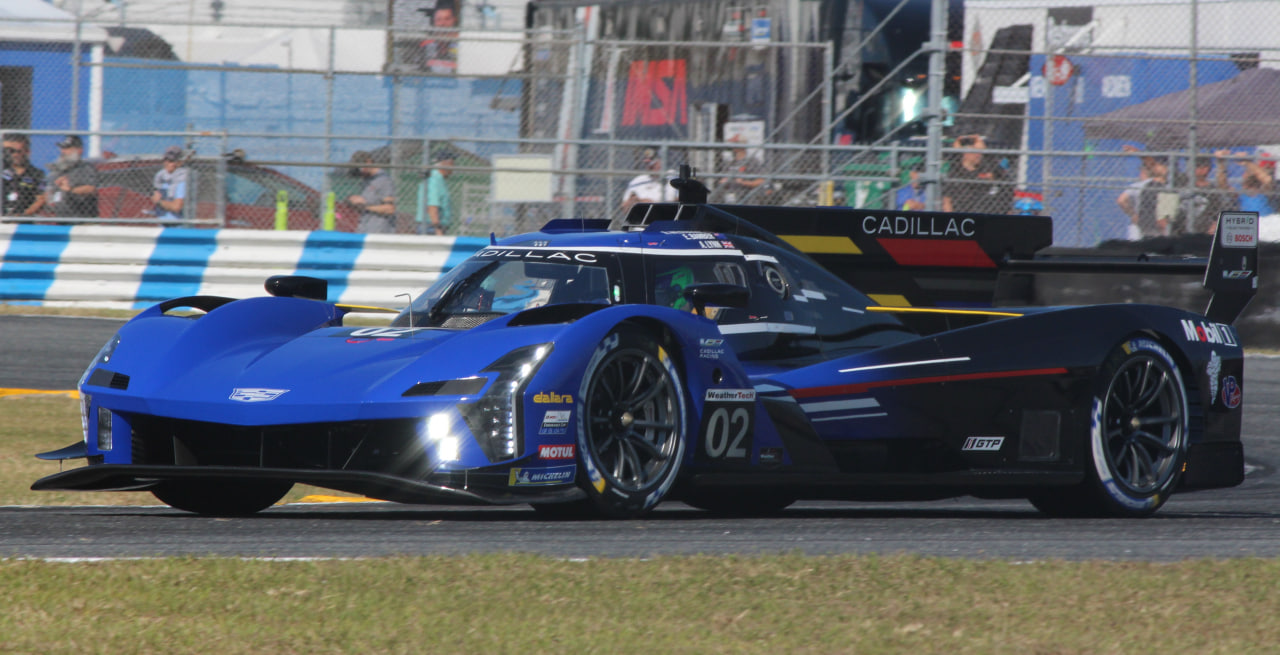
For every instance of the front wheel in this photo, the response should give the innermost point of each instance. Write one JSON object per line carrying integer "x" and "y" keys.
{"x": 219, "y": 497}
{"x": 631, "y": 423}
{"x": 1137, "y": 440}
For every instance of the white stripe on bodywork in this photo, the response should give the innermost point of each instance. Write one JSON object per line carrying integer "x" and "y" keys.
{"x": 748, "y": 328}
{"x": 847, "y": 418}
{"x": 834, "y": 405}
{"x": 949, "y": 360}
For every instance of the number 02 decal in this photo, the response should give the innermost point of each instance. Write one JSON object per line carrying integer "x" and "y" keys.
{"x": 727, "y": 433}
{"x": 727, "y": 425}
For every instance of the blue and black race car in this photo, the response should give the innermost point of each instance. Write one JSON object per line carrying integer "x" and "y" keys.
{"x": 719, "y": 355}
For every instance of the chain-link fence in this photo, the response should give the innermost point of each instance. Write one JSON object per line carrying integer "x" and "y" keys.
{"x": 1129, "y": 119}
{"x": 538, "y": 124}
{"x": 1123, "y": 120}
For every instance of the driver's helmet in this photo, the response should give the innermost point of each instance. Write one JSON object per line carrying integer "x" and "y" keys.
{"x": 669, "y": 287}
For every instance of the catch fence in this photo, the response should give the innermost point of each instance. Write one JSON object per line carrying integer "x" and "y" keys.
{"x": 1053, "y": 116}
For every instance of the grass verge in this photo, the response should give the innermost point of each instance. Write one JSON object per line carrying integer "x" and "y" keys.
{"x": 522, "y": 603}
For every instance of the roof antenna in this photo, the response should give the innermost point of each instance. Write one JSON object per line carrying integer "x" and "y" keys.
{"x": 689, "y": 190}
{"x": 410, "y": 306}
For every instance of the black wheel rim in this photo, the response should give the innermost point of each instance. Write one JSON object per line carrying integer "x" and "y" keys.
{"x": 634, "y": 430}
{"x": 1142, "y": 423}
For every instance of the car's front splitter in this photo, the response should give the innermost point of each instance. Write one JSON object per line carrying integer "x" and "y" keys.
{"x": 457, "y": 488}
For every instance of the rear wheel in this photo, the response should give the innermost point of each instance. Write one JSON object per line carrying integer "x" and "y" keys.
{"x": 1137, "y": 440}
{"x": 631, "y": 423}
{"x": 220, "y": 497}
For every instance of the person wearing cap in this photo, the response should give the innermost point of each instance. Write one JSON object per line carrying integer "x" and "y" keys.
{"x": 976, "y": 183}
{"x": 649, "y": 186}
{"x": 911, "y": 196}
{"x": 439, "y": 204}
{"x": 74, "y": 191}
{"x": 170, "y": 186}
{"x": 23, "y": 184}
{"x": 377, "y": 200}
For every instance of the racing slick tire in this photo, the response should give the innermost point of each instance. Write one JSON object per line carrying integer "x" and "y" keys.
{"x": 631, "y": 423}
{"x": 221, "y": 497}
{"x": 1137, "y": 437}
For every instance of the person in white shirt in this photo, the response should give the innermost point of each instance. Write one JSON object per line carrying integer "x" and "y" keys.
{"x": 649, "y": 186}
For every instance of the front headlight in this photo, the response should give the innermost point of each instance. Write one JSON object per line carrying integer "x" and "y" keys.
{"x": 494, "y": 420}
{"x": 103, "y": 356}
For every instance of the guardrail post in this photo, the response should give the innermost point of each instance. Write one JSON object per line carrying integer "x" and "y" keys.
{"x": 328, "y": 211}
{"x": 282, "y": 210}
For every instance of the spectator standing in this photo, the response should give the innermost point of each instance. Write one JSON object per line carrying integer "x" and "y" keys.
{"x": 1198, "y": 213}
{"x": 377, "y": 200}
{"x": 440, "y": 49}
{"x": 746, "y": 173}
{"x": 23, "y": 184}
{"x": 170, "y": 184}
{"x": 74, "y": 191}
{"x": 649, "y": 186}
{"x": 1255, "y": 187}
{"x": 439, "y": 203}
{"x": 1140, "y": 201}
{"x": 976, "y": 183}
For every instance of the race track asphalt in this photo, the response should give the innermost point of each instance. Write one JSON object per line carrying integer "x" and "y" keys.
{"x": 45, "y": 352}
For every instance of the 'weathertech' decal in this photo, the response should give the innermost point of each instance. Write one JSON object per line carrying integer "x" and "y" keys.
{"x": 817, "y": 392}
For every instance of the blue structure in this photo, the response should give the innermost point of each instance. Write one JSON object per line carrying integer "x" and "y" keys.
{"x": 1081, "y": 217}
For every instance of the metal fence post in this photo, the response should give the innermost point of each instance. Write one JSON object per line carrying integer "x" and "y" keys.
{"x": 220, "y": 181}
{"x": 933, "y": 149}
{"x": 325, "y": 193}
{"x": 75, "y": 75}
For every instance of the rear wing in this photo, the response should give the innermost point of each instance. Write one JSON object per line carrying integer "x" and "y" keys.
{"x": 1230, "y": 272}
{"x": 948, "y": 259}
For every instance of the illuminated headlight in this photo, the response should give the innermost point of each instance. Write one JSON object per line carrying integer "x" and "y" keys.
{"x": 494, "y": 419}
{"x": 104, "y": 428}
{"x": 447, "y": 449}
{"x": 441, "y": 437}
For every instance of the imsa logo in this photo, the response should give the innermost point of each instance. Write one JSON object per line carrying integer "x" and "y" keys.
{"x": 983, "y": 444}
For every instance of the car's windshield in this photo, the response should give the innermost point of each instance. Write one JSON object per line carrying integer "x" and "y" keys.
{"x": 486, "y": 288}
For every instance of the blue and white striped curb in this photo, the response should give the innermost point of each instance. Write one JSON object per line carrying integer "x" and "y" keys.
{"x": 138, "y": 266}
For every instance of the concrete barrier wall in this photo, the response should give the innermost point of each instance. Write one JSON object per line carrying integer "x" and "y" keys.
{"x": 135, "y": 267}
{"x": 132, "y": 267}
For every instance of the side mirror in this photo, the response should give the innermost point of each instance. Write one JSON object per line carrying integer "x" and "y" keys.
{"x": 718, "y": 295}
{"x": 298, "y": 286}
